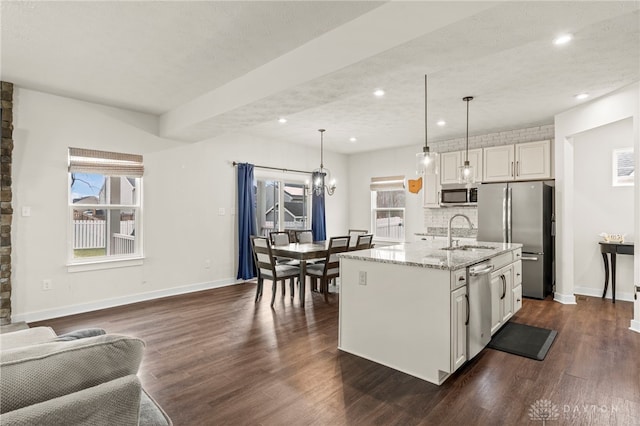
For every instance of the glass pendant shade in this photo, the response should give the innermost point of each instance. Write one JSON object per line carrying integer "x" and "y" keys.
{"x": 466, "y": 173}
{"x": 427, "y": 162}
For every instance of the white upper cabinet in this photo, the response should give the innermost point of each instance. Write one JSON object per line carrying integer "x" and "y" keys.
{"x": 451, "y": 161}
{"x": 525, "y": 161}
{"x": 533, "y": 160}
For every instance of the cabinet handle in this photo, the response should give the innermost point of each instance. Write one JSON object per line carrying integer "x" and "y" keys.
{"x": 512, "y": 169}
{"x": 466, "y": 296}
{"x": 504, "y": 286}
{"x": 461, "y": 279}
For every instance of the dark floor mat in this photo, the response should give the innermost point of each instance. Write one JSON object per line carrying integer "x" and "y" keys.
{"x": 524, "y": 340}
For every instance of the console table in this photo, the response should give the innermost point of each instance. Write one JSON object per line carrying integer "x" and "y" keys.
{"x": 612, "y": 249}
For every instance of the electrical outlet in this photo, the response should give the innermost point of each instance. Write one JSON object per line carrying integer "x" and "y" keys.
{"x": 221, "y": 211}
{"x": 207, "y": 264}
{"x": 362, "y": 278}
{"x": 46, "y": 285}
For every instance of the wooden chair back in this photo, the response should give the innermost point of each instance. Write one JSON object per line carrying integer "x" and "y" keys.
{"x": 364, "y": 242}
{"x": 332, "y": 261}
{"x": 353, "y": 233}
{"x": 265, "y": 262}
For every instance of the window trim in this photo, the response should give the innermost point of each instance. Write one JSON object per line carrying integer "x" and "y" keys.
{"x": 109, "y": 261}
{"x": 282, "y": 181}
{"x": 375, "y": 209}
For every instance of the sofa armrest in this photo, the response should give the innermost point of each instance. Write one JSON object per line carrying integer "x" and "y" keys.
{"x": 37, "y": 373}
{"x": 26, "y": 337}
{"x": 116, "y": 402}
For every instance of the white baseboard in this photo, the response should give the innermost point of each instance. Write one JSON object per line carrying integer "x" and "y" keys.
{"x": 594, "y": 292}
{"x": 565, "y": 299}
{"x": 119, "y": 301}
{"x": 635, "y": 326}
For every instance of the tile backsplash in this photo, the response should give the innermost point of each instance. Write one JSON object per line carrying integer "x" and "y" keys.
{"x": 437, "y": 220}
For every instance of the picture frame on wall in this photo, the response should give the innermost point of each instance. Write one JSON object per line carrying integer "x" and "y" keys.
{"x": 623, "y": 167}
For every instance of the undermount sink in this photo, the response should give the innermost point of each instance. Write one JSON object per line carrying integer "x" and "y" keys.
{"x": 469, "y": 248}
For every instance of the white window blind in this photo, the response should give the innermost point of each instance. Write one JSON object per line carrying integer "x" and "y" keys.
{"x": 387, "y": 183}
{"x": 104, "y": 162}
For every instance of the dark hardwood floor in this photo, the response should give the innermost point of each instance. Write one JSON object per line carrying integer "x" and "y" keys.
{"x": 215, "y": 357}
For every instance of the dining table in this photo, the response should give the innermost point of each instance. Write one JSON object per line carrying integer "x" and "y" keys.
{"x": 302, "y": 252}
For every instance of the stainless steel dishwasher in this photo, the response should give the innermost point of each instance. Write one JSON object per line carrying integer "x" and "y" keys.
{"x": 479, "y": 293}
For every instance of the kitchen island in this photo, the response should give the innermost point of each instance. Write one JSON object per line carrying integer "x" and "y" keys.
{"x": 406, "y": 306}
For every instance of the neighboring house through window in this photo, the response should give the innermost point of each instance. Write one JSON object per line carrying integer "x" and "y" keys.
{"x": 105, "y": 206}
{"x": 282, "y": 205}
{"x": 388, "y": 208}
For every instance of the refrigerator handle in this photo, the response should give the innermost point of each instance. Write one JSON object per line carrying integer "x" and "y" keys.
{"x": 504, "y": 214}
{"x": 509, "y": 195}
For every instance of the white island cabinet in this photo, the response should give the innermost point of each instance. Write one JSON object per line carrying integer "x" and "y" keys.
{"x": 406, "y": 306}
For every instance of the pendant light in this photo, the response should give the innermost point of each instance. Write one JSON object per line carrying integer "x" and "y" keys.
{"x": 465, "y": 172}
{"x": 426, "y": 162}
{"x": 322, "y": 174}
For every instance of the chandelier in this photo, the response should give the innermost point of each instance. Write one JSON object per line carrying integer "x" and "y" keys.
{"x": 322, "y": 174}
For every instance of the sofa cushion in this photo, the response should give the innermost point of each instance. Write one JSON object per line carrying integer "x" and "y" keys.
{"x": 80, "y": 334}
{"x": 26, "y": 337}
{"x": 112, "y": 403}
{"x": 37, "y": 373}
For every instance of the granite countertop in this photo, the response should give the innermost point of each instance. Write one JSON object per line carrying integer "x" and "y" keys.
{"x": 429, "y": 254}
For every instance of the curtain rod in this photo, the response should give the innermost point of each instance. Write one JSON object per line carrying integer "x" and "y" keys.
{"x": 235, "y": 163}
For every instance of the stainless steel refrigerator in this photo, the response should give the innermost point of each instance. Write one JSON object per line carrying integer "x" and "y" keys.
{"x": 521, "y": 212}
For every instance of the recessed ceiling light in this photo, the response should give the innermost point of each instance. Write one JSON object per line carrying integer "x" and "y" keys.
{"x": 352, "y": 139}
{"x": 441, "y": 123}
{"x": 581, "y": 96}
{"x": 379, "y": 93}
{"x": 282, "y": 120}
{"x": 562, "y": 39}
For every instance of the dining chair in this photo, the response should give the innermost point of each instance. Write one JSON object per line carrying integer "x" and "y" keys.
{"x": 282, "y": 238}
{"x": 305, "y": 236}
{"x": 330, "y": 269}
{"x": 279, "y": 238}
{"x": 353, "y": 233}
{"x": 267, "y": 268}
{"x": 363, "y": 242}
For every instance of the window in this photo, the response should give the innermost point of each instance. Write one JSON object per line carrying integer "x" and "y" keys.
{"x": 387, "y": 208}
{"x": 623, "y": 167}
{"x": 282, "y": 205}
{"x": 105, "y": 206}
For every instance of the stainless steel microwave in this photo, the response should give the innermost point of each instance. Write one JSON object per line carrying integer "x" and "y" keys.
{"x": 458, "y": 195}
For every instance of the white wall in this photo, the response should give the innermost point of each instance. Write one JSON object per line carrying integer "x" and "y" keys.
{"x": 184, "y": 186}
{"x": 601, "y": 207}
{"x": 388, "y": 162}
{"x": 614, "y": 107}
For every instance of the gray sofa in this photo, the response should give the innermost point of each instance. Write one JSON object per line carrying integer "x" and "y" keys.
{"x": 73, "y": 380}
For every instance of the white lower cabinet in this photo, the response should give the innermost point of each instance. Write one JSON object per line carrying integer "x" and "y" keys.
{"x": 504, "y": 288}
{"x": 459, "y": 316}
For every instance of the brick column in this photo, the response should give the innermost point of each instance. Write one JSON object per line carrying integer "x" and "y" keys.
{"x": 6, "y": 211}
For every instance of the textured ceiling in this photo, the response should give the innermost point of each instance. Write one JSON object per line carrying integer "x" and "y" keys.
{"x": 214, "y": 67}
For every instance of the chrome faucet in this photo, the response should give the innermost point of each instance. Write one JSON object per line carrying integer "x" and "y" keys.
{"x": 449, "y": 239}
